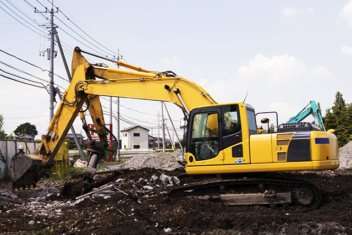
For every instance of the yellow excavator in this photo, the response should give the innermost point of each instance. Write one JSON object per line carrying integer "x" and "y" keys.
{"x": 222, "y": 139}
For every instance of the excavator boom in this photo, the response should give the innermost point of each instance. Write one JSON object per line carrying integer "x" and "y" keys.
{"x": 88, "y": 83}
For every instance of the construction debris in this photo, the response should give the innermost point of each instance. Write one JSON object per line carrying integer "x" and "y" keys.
{"x": 163, "y": 161}
{"x": 80, "y": 164}
{"x": 345, "y": 154}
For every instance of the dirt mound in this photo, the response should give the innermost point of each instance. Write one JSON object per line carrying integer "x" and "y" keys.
{"x": 345, "y": 154}
{"x": 163, "y": 161}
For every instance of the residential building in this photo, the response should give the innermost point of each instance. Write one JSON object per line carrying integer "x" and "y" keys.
{"x": 135, "y": 137}
{"x": 25, "y": 137}
{"x": 80, "y": 138}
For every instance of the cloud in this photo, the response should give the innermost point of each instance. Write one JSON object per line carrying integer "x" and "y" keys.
{"x": 291, "y": 11}
{"x": 346, "y": 50}
{"x": 170, "y": 62}
{"x": 285, "y": 111}
{"x": 346, "y": 13}
{"x": 279, "y": 69}
{"x": 279, "y": 83}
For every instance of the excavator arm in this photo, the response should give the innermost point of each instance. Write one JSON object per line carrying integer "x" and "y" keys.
{"x": 89, "y": 81}
{"x": 306, "y": 111}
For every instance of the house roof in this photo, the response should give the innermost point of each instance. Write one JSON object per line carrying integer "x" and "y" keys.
{"x": 133, "y": 127}
{"x": 26, "y": 136}
{"x": 79, "y": 136}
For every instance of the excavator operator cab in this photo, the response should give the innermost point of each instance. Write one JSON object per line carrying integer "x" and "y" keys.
{"x": 217, "y": 127}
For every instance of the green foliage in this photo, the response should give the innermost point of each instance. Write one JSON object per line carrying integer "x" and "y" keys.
{"x": 11, "y": 136}
{"x": 339, "y": 117}
{"x": 26, "y": 128}
{"x": 272, "y": 128}
{"x": 2, "y": 132}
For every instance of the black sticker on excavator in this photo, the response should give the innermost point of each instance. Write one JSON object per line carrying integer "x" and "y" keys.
{"x": 237, "y": 151}
{"x": 299, "y": 150}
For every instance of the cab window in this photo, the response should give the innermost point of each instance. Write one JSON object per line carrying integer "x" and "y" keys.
{"x": 251, "y": 120}
{"x": 231, "y": 122}
{"x": 205, "y": 136}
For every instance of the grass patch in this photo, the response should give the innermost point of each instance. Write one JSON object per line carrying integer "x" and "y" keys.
{"x": 47, "y": 230}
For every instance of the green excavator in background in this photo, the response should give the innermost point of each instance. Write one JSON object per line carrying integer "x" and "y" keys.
{"x": 313, "y": 110}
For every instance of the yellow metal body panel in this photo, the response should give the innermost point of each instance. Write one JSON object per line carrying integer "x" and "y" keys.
{"x": 261, "y": 148}
{"x": 264, "y": 167}
{"x": 322, "y": 152}
{"x": 61, "y": 166}
{"x": 279, "y": 146}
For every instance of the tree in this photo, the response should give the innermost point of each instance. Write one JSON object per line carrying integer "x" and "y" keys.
{"x": 2, "y": 132}
{"x": 26, "y": 128}
{"x": 340, "y": 119}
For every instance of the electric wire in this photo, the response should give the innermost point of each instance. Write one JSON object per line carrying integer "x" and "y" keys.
{"x": 80, "y": 28}
{"x": 22, "y": 44}
{"x": 19, "y": 70}
{"x": 18, "y": 9}
{"x": 38, "y": 11}
{"x": 36, "y": 66}
{"x": 20, "y": 81}
{"x": 21, "y": 22}
{"x": 21, "y": 77}
{"x": 23, "y": 18}
{"x": 82, "y": 36}
{"x": 82, "y": 43}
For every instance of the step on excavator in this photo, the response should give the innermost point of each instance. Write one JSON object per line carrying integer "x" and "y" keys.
{"x": 222, "y": 139}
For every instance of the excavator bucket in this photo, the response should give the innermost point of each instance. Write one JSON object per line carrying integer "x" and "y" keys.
{"x": 26, "y": 170}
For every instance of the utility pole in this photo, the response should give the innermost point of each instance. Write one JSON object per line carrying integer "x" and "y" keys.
{"x": 167, "y": 111}
{"x": 158, "y": 132}
{"x": 118, "y": 115}
{"x": 168, "y": 132}
{"x": 162, "y": 123}
{"x": 51, "y": 58}
{"x": 118, "y": 128}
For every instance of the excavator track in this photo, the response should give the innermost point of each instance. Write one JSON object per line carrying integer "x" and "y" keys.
{"x": 253, "y": 191}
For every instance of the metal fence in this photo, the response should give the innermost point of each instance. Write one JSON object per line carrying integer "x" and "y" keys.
{"x": 8, "y": 148}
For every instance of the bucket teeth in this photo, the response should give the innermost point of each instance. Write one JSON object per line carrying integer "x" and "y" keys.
{"x": 27, "y": 180}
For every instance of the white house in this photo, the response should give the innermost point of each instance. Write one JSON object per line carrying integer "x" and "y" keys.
{"x": 135, "y": 137}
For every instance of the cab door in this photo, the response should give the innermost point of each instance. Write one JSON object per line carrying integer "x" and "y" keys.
{"x": 234, "y": 141}
{"x": 203, "y": 145}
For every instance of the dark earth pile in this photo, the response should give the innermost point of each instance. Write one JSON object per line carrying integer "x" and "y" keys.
{"x": 152, "y": 212}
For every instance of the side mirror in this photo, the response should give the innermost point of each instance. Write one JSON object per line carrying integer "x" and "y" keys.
{"x": 265, "y": 120}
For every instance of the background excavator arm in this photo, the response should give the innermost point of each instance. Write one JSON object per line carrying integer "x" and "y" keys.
{"x": 306, "y": 111}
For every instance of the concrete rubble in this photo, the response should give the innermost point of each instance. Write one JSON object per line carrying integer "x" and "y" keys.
{"x": 161, "y": 160}
{"x": 345, "y": 154}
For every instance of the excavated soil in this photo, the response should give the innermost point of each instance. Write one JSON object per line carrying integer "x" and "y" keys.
{"x": 152, "y": 212}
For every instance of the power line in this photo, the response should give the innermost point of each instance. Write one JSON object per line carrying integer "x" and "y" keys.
{"x": 20, "y": 81}
{"x": 21, "y": 17}
{"x": 22, "y": 44}
{"x": 35, "y": 8}
{"x": 81, "y": 29}
{"x": 44, "y": 70}
{"x": 21, "y": 77}
{"x": 21, "y": 22}
{"x": 29, "y": 74}
{"x": 82, "y": 36}
{"x": 81, "y": 42}
{"x": 13, "y": 5}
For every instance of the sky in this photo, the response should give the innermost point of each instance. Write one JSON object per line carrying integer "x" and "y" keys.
{"x": 283, "y": 53}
